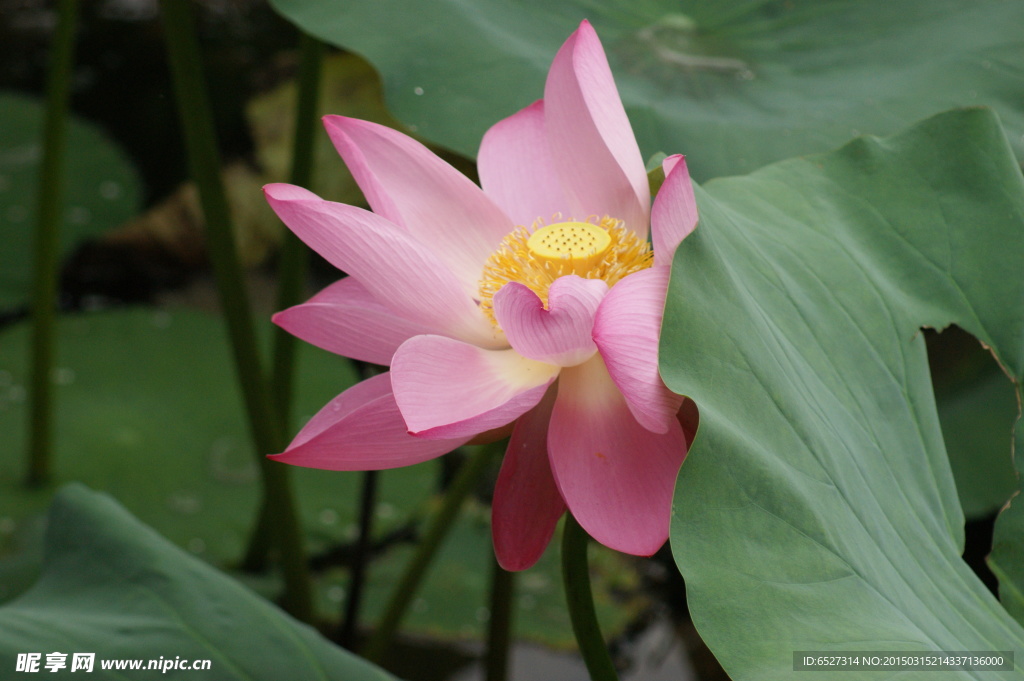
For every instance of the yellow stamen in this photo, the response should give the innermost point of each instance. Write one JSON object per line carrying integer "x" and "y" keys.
{"x": 599, "y": 249}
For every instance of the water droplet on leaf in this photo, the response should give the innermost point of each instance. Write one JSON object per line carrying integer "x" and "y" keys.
{"x": 231, "y": 462}
{"x": 185, "y": 502}
{"x": 110, "y": 190}
{"x": 161, "y": 319}
{"x": 79, "y": 215}
{"x": 63, "y": 375}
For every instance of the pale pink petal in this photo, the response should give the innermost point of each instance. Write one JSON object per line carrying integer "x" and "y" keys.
{"x": 361, "y": 429}
{"x": 517, "y": 171}
{"x": 674, "y": 214}
{"x": 413, "y": 188}
{"x": 626, "y": 329}
{"x": 560, "y": 334}
{"x": 592, "y": 143}
{"x": 527, "y": 504}
{"x": 616, "y": 477}
{"x": 346, "y": 320}
{"x": 446, "y": 388}
{"x": 670, "y": 162}
{"x": 399, "y": 272}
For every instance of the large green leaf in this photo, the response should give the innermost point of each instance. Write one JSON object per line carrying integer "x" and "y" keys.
{"x": 734, "y": 84}
{"x": 101, "y": 189}
{"x": 816, "y": 509}
{"x": 113, "y": 587}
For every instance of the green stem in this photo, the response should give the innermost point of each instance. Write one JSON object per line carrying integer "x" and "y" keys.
{"x": 204, "y": 166}
{"x": 438, "y": 528}
{"x": 357, "y": 570}
{"x": 257, "y": 553}
{"x": 292, "y": 270}
{"x": 44, "y": 295}
{"x": 291, "y": 279}
{"x": 576, "y": 575}
{"x": 499, "y": 630}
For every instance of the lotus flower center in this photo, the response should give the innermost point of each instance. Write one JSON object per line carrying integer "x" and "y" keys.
{"x": 579, "y": 245}
{"x": 593, "y": 249}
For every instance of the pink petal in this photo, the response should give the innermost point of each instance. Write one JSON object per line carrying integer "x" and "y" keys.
{"x": 674, "y": 214}
{"x": 592, "y": 143}
{"x": 361, "y": 429}
{"x": 616, "y": 477}
{"x": 449, "y": 389}
{"x": 517, "y": 171}
{"x": 410, "y": 186}
{"x": 626, "y": 329}
{"x": 527, "y": 504}
{"x": 560, "y": 334}
{"x": 399, "y": 272}
{"x": 346, "y": 320}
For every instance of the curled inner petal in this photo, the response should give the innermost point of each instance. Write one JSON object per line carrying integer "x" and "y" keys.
{"x": 562, "y": 334}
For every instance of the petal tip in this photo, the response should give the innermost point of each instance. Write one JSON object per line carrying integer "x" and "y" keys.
{"x": 334, "y": 120}
{"x": 282, "y": 191}
{"x": 514, "y": 563}
{"x": 346, "y": 123}
{"x": 587, "y": 31}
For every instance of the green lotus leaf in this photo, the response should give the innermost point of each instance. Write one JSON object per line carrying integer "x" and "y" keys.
{"x": 733, "y": 84}
{"x": 101, "y": 189}
{"x": 817, "y": 509}
{"x": 115, "y": 588}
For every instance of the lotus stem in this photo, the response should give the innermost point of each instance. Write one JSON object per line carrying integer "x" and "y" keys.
{"x": 291, "y": 276}
{"x": 48, "y": 215}
{"x": 204, "y": 167}
{"x": 576, "y": 575}
{"x": 361, "y": 557}
{"x": 292, "y": 267}
{"x": 499, "y": 631}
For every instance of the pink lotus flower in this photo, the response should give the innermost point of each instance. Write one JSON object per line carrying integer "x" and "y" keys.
{"x": 536, "y": 300}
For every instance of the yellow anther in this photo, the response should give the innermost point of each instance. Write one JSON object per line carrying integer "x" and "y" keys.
{"x": 577, "y": 245}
